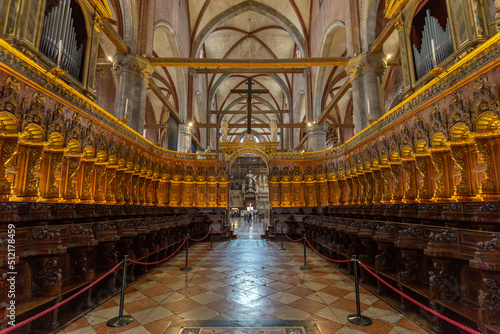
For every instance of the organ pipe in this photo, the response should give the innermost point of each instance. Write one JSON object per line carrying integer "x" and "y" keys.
{"x": 58, "y": 25}
{"x": 443, "y": 44}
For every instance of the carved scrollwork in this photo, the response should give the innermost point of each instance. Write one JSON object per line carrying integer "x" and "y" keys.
{"x": 444, "y": 280}
{"x": 423, "y": 189}
{"x": 110, "y": 192}
{"x": 79, "y": 229}
{"x": 447, "y": 235}
{"x": 489, "y": 206}
{"x": 459, "y": 112}
{"x": 412, "y": 231}
{"x": 483, "y": 98}
{"x": 9, "y": 99}
{"x": 73, "y": 168}
{"x": 489, "y": 296}
{"x": 8, "y": 151}
{"x": 493, "y": 244}
{"x": 410, "y": 272}
{"x": 385, "y": 259}
{"x": 439, "y": 120}
{"x": 461, "y": 160}
{"x": 33, "y": 171}
{"x": 47, "y": 278}
{"x": 485, "y": 154}
{"x": 438, "y": 163}
{"x": 42, "y": 233}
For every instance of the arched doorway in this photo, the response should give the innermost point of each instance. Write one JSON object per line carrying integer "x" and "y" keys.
{"x": 249, "y": 186}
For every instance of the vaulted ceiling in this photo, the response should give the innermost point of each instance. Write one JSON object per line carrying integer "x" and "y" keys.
{"x": 249, "y": 30}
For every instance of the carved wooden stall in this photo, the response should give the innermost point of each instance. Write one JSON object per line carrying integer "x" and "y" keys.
{"x": 413, "y": 195}
{"x": 83, "y": 190}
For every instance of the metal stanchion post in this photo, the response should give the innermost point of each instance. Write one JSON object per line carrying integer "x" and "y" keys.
{"x": 305, "y": 267}
{"x": 122, "y": 320}
{"x": 282, "y": 237}
{"x": 186, "y": 268}
{"x": 357, "y": 318}
{"x": 211, "y": 234}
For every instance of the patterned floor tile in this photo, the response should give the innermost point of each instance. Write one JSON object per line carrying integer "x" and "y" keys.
{"x": 247, "y": 281}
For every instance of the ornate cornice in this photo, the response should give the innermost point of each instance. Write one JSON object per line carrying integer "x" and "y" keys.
{"x": 481, "y": 60}
{"x": 24, "y": 69}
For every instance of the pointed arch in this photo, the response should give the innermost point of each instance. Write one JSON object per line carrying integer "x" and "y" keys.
{"x": 172, "y": 49}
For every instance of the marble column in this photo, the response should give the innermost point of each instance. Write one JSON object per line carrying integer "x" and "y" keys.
{"x": 365, "y": 72}
{"x": 316, "y": 137}
{"x": 133, "y": 74}
{"x": 185, "y": 138}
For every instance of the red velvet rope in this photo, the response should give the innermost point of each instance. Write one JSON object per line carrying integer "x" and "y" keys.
{"x": 326, "y": 258}
{"x": 274, "y": 231}
{"x": 292, "y": 239}
{"x": 201, "y": 238}
{"x": 165, "y": 259}
{"x": 223, "y": 231}
{"x": 451, "y": 321}
{"x": 24, "y": 322}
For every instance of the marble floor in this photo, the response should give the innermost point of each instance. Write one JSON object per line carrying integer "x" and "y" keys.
{"x": 245, "y": 279}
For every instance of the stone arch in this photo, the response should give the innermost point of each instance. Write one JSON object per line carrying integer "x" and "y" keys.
{"x": 328, "y": 38}
{"x": 173, "y": 50}
{"x": 130, "y": 22}
{"x": 258, "y": 7}
{"x": 245, "y": 150}
{"x": 368, "y": 23}
{"x": 298, "y": 112}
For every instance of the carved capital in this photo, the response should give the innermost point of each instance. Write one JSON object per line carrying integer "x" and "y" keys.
{"x": 315, "y": 129}
{"x": 366, "y": 62}
{"x": 186, "y": 129}
{"x": 134, "y": 64}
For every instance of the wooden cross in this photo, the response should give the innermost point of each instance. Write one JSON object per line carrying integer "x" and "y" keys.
{"x": 249, "y": 93}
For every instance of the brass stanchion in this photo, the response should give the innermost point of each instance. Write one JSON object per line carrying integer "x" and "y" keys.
{"x": 305, "y": 267}
{"x": 282, "y": 237}
{"x": 122, "y": 320}
{"x": 186, "y": 268}
{"x": 357, "y": 318}
{"x": 211, "y": 235}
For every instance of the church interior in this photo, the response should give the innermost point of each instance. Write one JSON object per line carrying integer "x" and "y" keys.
{"x": 250, "y": 166}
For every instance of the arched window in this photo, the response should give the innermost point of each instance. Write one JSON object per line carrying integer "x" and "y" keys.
{"x": 64, "y": 36}
{"x": 430, "y": 36}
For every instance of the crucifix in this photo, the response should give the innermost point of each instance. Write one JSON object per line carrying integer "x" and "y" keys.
{"x": 249, "y": 93}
